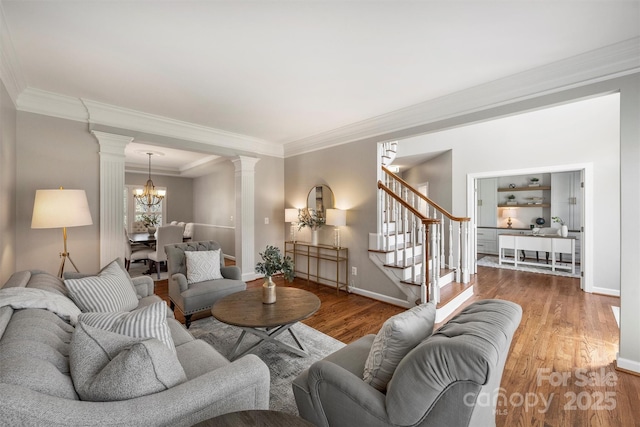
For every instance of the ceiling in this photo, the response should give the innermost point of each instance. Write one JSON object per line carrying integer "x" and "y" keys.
{"x": 281, "y": 71}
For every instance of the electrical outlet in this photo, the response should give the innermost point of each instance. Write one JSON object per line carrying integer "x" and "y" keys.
{"x": 266, "y": 220}
{"x": 354, "y": 271}
{"x": 231, "y": 218}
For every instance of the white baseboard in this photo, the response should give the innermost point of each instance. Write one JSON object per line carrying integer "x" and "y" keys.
{"x": 606, "y": 291}
{"x": 247, "y": 277}
{"x": 380, "y": 297}
{"x": 628, "y": 365}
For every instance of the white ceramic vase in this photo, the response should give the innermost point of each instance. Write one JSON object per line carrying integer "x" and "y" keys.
{"x": 564, "y": 231}
{"x": 268, "y": 291}
{"x": 314, "y": 237}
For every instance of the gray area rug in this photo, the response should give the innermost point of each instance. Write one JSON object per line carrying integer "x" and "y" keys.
{"x": 492, "y": 261}
{"x": 283, "y": 365}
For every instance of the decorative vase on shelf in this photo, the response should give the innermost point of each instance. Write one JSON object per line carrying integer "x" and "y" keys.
{"x": 314, "y": 237}
{"x": 268, "y": 291}
{"x": 564, "y": 231}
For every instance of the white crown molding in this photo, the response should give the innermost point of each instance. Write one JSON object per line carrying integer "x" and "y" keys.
{"x": 87, "y": 111}
{"x": 157, "y": 170}
{"x": 111, "y": 115}
{"x": 10, "y": 70}
{"x": 39, "y": 101}
{"x": 601, "y": 64}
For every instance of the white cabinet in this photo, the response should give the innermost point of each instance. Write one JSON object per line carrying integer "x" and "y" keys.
{"x": 566, "y": 198}
{"x": 487, "y": 241}
{"x": 487, "y": 203}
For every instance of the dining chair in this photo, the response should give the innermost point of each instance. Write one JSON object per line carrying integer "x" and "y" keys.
{"x": 188, "y": 231}
{"x": 138, "y": 227}
{"x": 134, "y": 252}
{"x": 164, "y": 236}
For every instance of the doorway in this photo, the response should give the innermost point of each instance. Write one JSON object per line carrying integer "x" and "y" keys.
{"x": 536, "y": 207}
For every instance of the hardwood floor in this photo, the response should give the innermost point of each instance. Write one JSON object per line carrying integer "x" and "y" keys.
{"x": 561, "y": 368}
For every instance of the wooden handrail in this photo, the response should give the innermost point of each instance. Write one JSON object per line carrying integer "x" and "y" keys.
{"x": 414, "y": 211}
{"x": 425, "y": 198}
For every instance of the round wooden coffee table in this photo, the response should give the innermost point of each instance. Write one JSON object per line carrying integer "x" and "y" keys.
{"x": 246, "y": 310}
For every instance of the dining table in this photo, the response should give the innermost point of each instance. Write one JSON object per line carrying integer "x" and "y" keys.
{"x": 146, "y": 238}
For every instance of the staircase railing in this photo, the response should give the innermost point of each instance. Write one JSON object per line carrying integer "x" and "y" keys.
{"x": 446, "y": 237}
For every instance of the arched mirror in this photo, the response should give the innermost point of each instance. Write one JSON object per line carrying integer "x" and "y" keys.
{"x": 320, "y": 199}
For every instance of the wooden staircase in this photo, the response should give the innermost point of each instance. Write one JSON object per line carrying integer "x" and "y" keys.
{"x": 421, "y": 248}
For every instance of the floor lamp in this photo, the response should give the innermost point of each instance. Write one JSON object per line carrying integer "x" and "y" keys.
{"x": 61, "y": 209}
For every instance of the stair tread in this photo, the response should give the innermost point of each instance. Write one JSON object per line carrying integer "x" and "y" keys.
{"x": 450, "y": 291}
{"x": 416, "y": 260}
{"x": 393, "y": 248}
{"x": 443, "y": 272}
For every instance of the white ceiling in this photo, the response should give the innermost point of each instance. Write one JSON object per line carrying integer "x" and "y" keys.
{"x": 281, "y": 71}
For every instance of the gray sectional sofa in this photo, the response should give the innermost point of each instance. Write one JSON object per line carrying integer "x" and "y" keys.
{"x": 450, "y": 378}
{"x": 37, "y": 388}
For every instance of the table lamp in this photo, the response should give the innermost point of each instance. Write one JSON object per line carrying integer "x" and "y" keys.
{"x": 508, "y": 213}
{"x": 61, "y": 209}
{"x": 337, "y": 218}
{"x": 291, "y": 215}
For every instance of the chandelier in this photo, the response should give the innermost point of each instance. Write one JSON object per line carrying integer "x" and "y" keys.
{"x": 148, "y": 195}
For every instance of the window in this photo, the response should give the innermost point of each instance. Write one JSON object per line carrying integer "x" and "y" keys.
{"x": 133, "y": 210}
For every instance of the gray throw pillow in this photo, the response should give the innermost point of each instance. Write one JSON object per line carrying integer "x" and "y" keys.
{"x": 109, "y": 291}
{"x": 397, "y": 337}
{"x": 106, "y": 366}
{"x": 146, "y": 322}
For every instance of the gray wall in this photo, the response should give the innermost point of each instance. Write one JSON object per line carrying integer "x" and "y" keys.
{"x": 350, "y": 171}
{"x": 215, "y": 201}
{"x": 53, "y": 152}
{"x": 438, "y": 172}
{"x": 215, "y": 195}
{"x": 179, "y": 203}
{"x": 269, "y": 203}
{"x": 7, "y": 185}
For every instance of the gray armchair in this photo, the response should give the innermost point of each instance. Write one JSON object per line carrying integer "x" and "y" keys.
{"x": 435, "y": 384}
{"x": 195, "y": 297}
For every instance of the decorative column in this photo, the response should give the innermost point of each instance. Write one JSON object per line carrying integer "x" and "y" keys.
{"x": 245, "y": 208}
{"x": 111, "y": 196}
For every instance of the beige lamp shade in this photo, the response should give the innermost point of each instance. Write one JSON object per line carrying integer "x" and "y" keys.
{"x": 60, "y": 208}
{"x": 508, "y": 213}
{"x": 336, "y": 217}
{"x": 291, "y": 215}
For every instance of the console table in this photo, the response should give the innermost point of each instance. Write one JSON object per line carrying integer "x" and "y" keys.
{"x": 552, "y": 244}
{"x": 314, "y": 254}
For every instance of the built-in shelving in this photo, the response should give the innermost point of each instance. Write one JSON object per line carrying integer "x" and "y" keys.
{"x": 527, "y": 205}
{"x": 534, "y": 188}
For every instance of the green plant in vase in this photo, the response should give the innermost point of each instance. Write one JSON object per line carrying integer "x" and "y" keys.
{"x": 273, "y": 263}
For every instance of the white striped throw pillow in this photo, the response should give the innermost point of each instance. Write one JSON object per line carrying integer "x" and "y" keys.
{"x": 147, "y": 322}
{"x": 203, "y": 265}
{"x": 109, "y": 291}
